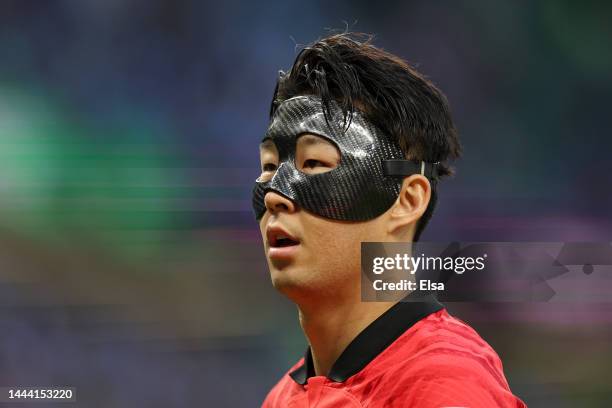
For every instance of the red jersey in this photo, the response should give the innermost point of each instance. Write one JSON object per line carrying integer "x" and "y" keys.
{"x": 414, "y": 355}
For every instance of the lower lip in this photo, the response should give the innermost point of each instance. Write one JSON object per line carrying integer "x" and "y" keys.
{"x": 283, "y": 252}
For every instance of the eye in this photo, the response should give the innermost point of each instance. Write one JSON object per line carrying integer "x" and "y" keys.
{"x": 267, "y": 171}
{"x": 313, "y": 163}
{"x": 269, "y": 167}
{"x": 315, "y": 154}
{"x": 268, "y": 157}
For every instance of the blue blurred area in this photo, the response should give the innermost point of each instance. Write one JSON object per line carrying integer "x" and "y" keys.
{"x": 130, "y": 263}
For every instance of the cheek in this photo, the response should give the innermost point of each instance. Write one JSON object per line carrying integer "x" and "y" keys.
{"x": 336, "y": 243}
{"x": 262, "y": 224}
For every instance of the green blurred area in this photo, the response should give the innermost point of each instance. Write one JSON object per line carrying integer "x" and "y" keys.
{"x": 114, "y": 186}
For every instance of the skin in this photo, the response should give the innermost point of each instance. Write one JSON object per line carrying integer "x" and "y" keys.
{"x": 322, "y": 277}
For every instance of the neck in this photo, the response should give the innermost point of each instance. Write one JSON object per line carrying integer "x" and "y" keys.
{"x": 331, "y": 326}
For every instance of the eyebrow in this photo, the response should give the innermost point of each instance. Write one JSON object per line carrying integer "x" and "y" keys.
{"x": 314, "y": 139}
{"x": 266, "y": 143}
{"x": 307, "y": 139}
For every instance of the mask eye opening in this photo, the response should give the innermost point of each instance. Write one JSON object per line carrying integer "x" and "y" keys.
{"x": 316, "y": 154}
{"x": 269, "y": 160}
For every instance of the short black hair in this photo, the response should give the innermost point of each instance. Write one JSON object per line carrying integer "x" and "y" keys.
{"x": 348, "y": 69}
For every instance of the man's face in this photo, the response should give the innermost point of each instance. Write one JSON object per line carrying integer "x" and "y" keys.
{"x": 306, "y": 253}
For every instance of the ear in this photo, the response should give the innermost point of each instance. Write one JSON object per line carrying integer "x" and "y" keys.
{"x": 410, "y": 204}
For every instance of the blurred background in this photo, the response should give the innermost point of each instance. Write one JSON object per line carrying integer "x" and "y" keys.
{"x": 131, "y": 266}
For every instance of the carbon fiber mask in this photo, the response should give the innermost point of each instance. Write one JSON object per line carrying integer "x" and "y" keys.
{"x": 366, "y": 181}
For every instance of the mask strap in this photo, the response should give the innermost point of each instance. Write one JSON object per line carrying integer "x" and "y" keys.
{"x": 402, "y": 168}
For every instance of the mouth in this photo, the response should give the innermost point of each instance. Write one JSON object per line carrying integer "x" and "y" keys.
{"x": 281, "y": 243}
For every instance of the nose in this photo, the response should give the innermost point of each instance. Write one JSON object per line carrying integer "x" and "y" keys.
{"x": 275, "y": 202}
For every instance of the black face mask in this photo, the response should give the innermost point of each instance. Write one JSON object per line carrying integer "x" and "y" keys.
{"x": 365, "y": 183}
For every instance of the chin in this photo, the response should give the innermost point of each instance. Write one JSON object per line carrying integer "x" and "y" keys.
{"x": 291, "y": 283}
{"x": 289, "y": 288}
{"x": 283, "y": 280}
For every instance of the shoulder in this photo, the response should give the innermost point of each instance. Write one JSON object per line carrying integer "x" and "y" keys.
{"x": 442, "y": 361}
{"x": 284, "y": 389}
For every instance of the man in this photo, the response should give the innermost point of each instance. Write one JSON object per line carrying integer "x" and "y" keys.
{"x": 356, "y": 143}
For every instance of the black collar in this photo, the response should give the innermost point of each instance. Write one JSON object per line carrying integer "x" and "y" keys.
{"x": 373, "y": 339}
